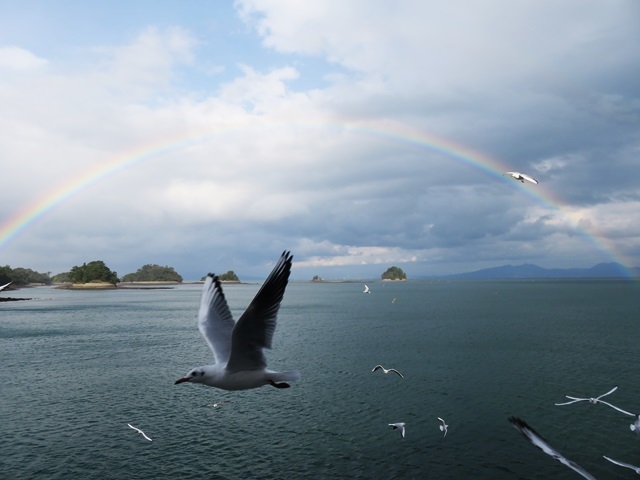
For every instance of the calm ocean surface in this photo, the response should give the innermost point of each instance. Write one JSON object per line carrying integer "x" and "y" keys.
{"x": 77, "y": 366}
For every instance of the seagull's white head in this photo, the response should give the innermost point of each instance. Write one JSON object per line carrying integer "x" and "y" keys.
{"x": 196, "y": 375}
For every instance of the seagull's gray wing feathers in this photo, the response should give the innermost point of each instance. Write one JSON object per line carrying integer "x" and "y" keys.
{"x": 255, "y": 328}
{"x": 215, "y": 320}
{"x": 533, "y": 437}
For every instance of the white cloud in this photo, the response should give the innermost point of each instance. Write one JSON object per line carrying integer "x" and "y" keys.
{"x": 18, "y": 59}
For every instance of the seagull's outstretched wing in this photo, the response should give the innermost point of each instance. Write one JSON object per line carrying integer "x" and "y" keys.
{"x": 573, "y": 400}
{"x": 395, "y": 371}
{"x": 616, "y": 408}
{"x": 255, "y": 328}
{"x": 377, "y": 367}
{"x": 215, "y": 320}
{"x": 5, "y": 286}
{"x": 622, "y": 464}
{"x": 533, "y": 437}
{"x": 528, "y": 178}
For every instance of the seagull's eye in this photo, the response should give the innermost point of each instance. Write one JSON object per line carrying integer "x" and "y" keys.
{"x": 193, "y": 374}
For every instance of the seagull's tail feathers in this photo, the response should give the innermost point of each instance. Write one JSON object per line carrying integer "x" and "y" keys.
{"x": 291, "y": 376}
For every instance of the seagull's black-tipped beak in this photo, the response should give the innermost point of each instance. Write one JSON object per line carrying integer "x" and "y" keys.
{"x": 181, "y": 380}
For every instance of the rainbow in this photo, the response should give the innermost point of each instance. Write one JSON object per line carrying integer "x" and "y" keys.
{"x": 34, "y": 211}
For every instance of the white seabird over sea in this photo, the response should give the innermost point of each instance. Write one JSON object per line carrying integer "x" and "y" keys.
{"x": 366, "y": 289}
{"x": 5, "y": 286}
{"x": 237, "y": 347}
{"x": 443, "y": 427}
{"x": 140, "y": 432}
{"x": 521, "y": 176}
{"x": 400, "y": 426}
{"x": 386, "y": 370}
{"x": 595, "y": 400}
{"x": 533, "y": 437}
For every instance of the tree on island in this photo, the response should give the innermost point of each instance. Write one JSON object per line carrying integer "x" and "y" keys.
{"x": 64, "y": 277}
{"x": 316, "y": 278}
{"x": 22, "y": 276}
{"x": 95, "y": 271}
{"x": 230, "y": 276}
{"x": 394, "y": 273}
{"x": 153, "y": 273}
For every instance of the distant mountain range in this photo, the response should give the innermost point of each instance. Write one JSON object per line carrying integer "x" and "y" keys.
{"x": 528, "y": 270}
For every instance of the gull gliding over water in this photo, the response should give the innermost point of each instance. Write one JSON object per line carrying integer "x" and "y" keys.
{"x": 386, "y": 370}
{"x": 140, "y": 432}
{"x": 533, "y": 437}
{"x": 237, "y": 347}
{"x": 443, "y": 427}
{"x": 366, "y": 289}
{"x": 399, "y": 426}
{"x": 521, "y": 176}
{"x": 593, "y": 401}
{"x": 5, "y": 286}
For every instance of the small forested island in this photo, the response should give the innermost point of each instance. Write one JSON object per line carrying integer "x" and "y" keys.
{"x": 90, "y": 275}
{"x": 153, "y": 273}
{"x": 316, "y": 278}
{"x": 229, "y": 277}
{"x": 394, "y": 274}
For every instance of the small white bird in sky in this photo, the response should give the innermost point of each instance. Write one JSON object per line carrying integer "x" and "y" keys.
{"x": 5, "y": 286}
{"x": 366, "y": 289}
{"x": 533, "y": 437}
{"x": 622, "y": 464}
{"x": 399, "y": 426}
{"x": 521, "y": 176}
{"x": 386, "y": 370}
{"x": 140, "y": 432}
{"x": 237, "y": 347}
{"x": 595, "y": 400}
{"x": 443, "y": 427}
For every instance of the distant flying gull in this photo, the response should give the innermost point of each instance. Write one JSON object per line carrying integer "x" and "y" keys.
{"x": 399, "y": 426}
{"x": 394, "y": 300}
{"x": 521, "y": 176}
{"x": 217, "y": 404}
{"x": 140, "y": 432}
{"x": 385, "y": 370}
{"x": 635, "y": 426}
{"x": 5, "y": 286}
{"x": 366, "y": 289}
{"x": 237, "y": 347}
{"x": 443, "y": 427}
{"x": 622, "y": 464}
{"x": 533, "y": 437}
{"x": 593, "y": 401}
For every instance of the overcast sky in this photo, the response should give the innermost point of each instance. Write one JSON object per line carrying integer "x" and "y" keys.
{"x": 357, "y": 134}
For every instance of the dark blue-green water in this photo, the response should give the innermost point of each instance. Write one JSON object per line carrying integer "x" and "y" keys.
{"x": 77, "y": 366}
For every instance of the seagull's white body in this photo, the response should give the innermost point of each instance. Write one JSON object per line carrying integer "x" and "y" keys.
{"x": 596, "y": 400}
{"x": 622, "y": 464}
{"x": 533, "y": 437}
{"x": 386, "y": 370}
{"x": 237, "y": 347}
{"x": 5, "y": 286}
{"x": 140, "y": 432}
{"x": 443, "y": 427}
{"x": 366, "y": 289}
{"x": 521, "y": 176}
{"x": 400, "y": 426}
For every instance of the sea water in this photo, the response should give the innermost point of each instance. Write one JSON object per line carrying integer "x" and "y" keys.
{"x": 77, "y": 366}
